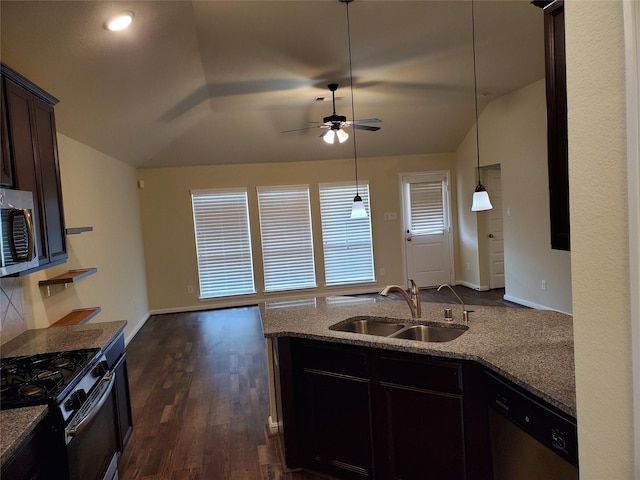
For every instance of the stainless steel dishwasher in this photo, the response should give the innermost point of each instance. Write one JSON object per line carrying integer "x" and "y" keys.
{"x": 530, "y": 440}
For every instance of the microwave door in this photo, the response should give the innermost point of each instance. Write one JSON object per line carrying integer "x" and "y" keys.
{"x": 18, "y": 245}
{"x": 21, "y": 239}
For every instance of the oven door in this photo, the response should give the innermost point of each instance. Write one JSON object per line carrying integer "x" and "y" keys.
{"x": 92, "y": 437}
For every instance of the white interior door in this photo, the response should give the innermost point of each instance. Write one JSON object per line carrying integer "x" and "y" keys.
{"x": 427, "y": 231}
{"x": 492, "y": 182}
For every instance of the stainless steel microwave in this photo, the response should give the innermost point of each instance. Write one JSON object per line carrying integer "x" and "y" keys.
{"x": 18, "y": 246}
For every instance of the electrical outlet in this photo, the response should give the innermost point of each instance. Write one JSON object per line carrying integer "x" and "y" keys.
{"x": 382, "y": 271}
{"x": 543, "y": 284}
{"x": 390, "y": 216}
{"x": 189, "y": 288}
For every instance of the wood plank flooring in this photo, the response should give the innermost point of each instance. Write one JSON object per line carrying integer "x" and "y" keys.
{"x": 200, "y": 396}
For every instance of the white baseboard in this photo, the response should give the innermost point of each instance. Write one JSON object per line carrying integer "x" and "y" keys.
{"x": 473, "y": 286}
{"x": 529, "y": 304}
{"x": 135, "y": 331}
{"x": 273, "y": 427}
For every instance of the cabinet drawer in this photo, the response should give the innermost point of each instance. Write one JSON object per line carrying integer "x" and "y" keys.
{"x": 426, "y": 374}
{"x": 334, "y": 358}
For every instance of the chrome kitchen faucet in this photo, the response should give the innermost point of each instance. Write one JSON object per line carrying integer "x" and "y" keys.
{"x": 413, "y": 301}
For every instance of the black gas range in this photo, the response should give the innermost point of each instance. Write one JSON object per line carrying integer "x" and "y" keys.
{"x": 77, "y": 386}
{"x": 46, "y": 378}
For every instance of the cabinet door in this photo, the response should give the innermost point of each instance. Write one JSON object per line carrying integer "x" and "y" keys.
{"x": 336, "y": 424}
{"x": 6, "y": 165}
{"x": 32, "y": 138}
{"x": 47, "y": 154}
{"x": 333, "y": 408}
{"x": 21, "y": 135}
{"x": 556, "y": 86}
{"x": 424, "y": 433}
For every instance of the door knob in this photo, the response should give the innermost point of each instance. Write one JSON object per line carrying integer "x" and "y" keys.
{"x": 490, "y": 235}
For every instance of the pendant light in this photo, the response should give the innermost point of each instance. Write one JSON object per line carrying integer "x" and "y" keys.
{"x": 357, "y": 209}
{"x": 480, "y": 196}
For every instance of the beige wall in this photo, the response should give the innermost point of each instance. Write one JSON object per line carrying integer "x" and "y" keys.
{"x": 513, "y": 134}
{"x": 168, "y": 223}
{"x": 101, "y": 192}
{"x": 599, "y": 229}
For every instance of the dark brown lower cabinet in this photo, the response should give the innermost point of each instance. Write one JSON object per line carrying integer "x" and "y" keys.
{"x": 40, "y": 456}
{"x": 337, "y": 426}
{"x": 358, "y": 412}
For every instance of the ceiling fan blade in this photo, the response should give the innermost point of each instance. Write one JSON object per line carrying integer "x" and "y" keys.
{"x": 366, "y": 127}
{"x": 300, "y": 129}
{"x": 366, "y": 120}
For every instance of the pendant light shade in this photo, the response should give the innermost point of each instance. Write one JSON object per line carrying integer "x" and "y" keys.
{"x": 342, "y": 136}
{"x": 329, "y": 137}
{"x": 480, "y": 196}
{"x": 481, "y": 199}
{"x": 357, "y": 209}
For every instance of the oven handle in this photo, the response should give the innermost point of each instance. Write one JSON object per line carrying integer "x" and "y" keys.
{"x": 72, "y": 432}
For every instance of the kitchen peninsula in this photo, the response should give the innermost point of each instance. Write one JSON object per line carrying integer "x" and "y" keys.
{"x": 324, "y": 375}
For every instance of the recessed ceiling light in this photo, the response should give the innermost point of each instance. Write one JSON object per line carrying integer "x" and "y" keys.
{"x": 120, "y": 21}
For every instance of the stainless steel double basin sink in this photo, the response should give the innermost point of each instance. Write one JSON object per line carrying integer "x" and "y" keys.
{"x": 388, "y": 327}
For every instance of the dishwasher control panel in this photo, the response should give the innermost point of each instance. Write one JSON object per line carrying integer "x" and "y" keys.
{"x": 552, "y": 428}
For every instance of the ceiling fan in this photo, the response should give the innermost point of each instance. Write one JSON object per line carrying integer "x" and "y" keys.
{"x": 334, "y": 123}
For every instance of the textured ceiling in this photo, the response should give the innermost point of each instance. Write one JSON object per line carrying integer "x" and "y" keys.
{"x": 205, "y": 82}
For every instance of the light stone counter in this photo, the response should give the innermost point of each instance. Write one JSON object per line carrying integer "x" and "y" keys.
{"x": 532, "y": 348}
{"x": 17, "y": 423}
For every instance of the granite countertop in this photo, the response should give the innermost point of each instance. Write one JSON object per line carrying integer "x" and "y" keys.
{"x": 532, "y": 348}
{"x": 16, "y": 423}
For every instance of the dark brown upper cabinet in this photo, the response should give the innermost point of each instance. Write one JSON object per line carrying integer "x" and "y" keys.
{"x": 556, "y": 86}
{"x": 30, "y": 153}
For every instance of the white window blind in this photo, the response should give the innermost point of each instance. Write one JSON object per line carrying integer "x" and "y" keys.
{"x": 223, "y": 243}
{"x": 427, "y": 207}
{"x": 287, "y": 238}
{"x": 347, "y": 243}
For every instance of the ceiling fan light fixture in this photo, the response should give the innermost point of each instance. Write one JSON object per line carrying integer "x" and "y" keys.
{"x": 329, "y": 137}
{"x": 357, "y": 209}
{"x": 119, "y": 22}
{"x": 342, "y": 136}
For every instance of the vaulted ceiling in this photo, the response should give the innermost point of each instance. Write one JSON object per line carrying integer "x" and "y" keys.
{"x": 206, "y": 82}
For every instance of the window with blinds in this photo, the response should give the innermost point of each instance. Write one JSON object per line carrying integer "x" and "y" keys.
{"x": 287, "y": 238}
{"x": 223, "y": 243}
{"x": 347, "y": 242}
{"x": 427, "y": 207}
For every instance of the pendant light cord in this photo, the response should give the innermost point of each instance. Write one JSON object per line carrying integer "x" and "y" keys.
{"x": 475, "y": 86}
{"x": 353, "y": 115}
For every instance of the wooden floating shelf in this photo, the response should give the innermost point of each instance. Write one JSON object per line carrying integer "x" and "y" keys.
{"x": 77, "y": 317}
{"x": 69, "y": 277}
{"x": 77, "y": 230}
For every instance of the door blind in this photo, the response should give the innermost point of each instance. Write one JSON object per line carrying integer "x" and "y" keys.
{"x": 347, "y": 242}
{"x": 287, "y": 238}
{"x": 223, "y": 243}
{"x": 427, "y": 208}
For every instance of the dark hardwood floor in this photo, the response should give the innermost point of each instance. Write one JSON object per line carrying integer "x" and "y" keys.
{"x": 200, "y": 397}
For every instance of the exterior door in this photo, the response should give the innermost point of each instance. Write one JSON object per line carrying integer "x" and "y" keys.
{"x": 427, "y": 232}
{"x": 492, "y": 179}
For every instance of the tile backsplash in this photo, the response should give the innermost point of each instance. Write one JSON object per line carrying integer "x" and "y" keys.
{"x": 13, "y": 319}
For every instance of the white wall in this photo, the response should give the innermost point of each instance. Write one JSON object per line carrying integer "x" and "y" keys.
{"x": 169, "y": 242}
{"x": 98, "y": 191}
{"x": 599, "y": 238}
{"x": 513, "y": 134}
